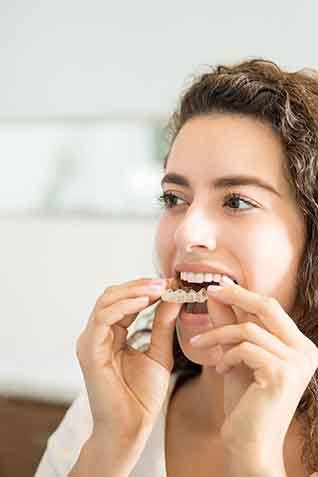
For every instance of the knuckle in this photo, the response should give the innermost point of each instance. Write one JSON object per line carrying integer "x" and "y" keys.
{"x": 79, "y": 350}
{"x": 84, "y": 360}
{"x": 249, "y": 328}
{"x": 80, "y": 343}
{"x": 268, "y": 304}
{"x": 99, "y": 301}
{"x": 99, "y": 316}
{"x": 80, "y": 358}
{"x": 245, "y": 346}
{"x": 271, "y": 302}
{"x": 107, "y": 290}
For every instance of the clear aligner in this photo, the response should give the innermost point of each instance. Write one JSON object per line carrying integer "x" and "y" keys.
{"x": 182, "y": 296}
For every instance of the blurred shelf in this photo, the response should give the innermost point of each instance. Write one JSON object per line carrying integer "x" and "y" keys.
{"x": 25, "y": 428}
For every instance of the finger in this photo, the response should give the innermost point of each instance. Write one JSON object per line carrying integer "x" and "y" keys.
{"x": 97, "y": 342}
{"x": 117, "y": 311}
{"x": 267, "y": 309}
{"x": 100, "y": 327}
{"x": 244, "y": 332}
{"x": 96, "y": 347}
{"x": 242, "y": 316}
{"x": 267, "y": 368}
{"x": 118, "y": 294}
{"x": 127, "y": 290}
{"x": 163, "y": 327}
{"x": 220, "y": 315}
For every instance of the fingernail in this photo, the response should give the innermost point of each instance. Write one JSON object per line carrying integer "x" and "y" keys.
{"x": 158, "y": 281}
{"x": 226, "y": 281}
{"x": 142, "y": 299}
{"x": 156, "y": 288}
{"x": 214, "y": 288}
{"x": 195, "y": 339}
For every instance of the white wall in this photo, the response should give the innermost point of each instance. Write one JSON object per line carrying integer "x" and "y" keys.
{"x": 52, "y": 272}
{"x": 98, "y": 57}
{"x": 102, "y": 58}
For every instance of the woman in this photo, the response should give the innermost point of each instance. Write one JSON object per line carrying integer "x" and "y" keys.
{"x": 240, "y": 194}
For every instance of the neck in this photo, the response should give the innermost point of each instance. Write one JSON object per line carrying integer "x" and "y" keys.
{"x": 201, "y": 402}
{"x": 200, "y": 407}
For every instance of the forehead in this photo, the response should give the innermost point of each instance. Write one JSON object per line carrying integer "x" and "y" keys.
{"x": 228, "y": 144}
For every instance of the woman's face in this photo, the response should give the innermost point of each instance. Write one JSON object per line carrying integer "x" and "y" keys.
{"x": 259, "y": 236}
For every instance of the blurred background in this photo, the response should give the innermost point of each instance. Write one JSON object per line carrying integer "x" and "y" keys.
{"x": 86, "y": 89}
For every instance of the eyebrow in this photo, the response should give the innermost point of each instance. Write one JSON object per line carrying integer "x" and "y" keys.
{"x": 222, "y": 182}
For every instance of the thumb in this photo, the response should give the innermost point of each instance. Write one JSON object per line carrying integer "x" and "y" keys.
{"x": 163, "y": 327}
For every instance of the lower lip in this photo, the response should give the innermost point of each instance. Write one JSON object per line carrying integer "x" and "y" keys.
{"x": 194, "y": 318}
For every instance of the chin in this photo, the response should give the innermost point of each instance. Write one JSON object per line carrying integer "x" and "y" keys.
{"x": 206, "y": 357}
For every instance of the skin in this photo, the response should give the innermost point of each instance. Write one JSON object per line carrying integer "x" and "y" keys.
{"x": 261, "y": 246}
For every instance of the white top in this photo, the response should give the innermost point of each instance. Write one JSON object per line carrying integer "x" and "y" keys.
{"x": 64, "y": 445}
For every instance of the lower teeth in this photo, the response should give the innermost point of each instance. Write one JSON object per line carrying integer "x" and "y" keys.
{"x": 196, "y": 308}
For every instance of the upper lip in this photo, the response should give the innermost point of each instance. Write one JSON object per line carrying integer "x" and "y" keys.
{"x": 204, "y": 268}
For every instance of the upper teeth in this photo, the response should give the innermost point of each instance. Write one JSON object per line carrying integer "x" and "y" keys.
{"x": 202, "y": 277}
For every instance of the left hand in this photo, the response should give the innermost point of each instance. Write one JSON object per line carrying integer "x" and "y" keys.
{"x": 266, "y": 371}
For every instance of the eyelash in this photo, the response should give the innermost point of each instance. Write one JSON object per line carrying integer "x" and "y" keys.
{"x": 167, "y": 196}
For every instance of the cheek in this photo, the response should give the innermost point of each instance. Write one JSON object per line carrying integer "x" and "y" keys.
{"x": 272, "y": 249}
{"x": 269, "y": 256}
{"x": 164, "y": 248}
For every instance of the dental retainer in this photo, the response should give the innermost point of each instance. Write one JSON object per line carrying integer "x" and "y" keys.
{"x": 181, "y": 295}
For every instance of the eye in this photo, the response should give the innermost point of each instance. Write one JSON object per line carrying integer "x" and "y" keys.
{"x": 234, "y": 197}
{"x": 169, "y": 201}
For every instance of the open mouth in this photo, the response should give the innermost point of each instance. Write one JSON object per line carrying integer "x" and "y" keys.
{"x": 182, "y": 291}
{"x": 187, "y": 286}
{"x": 193, "y": 295}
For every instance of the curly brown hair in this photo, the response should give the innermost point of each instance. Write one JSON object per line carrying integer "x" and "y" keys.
{"x": 288, "y": 101}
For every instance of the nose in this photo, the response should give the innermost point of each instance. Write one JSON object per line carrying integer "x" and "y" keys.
{"x": 194, "y": 230}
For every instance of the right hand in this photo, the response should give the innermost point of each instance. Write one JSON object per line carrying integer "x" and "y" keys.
{"x": 126, "y": 387}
